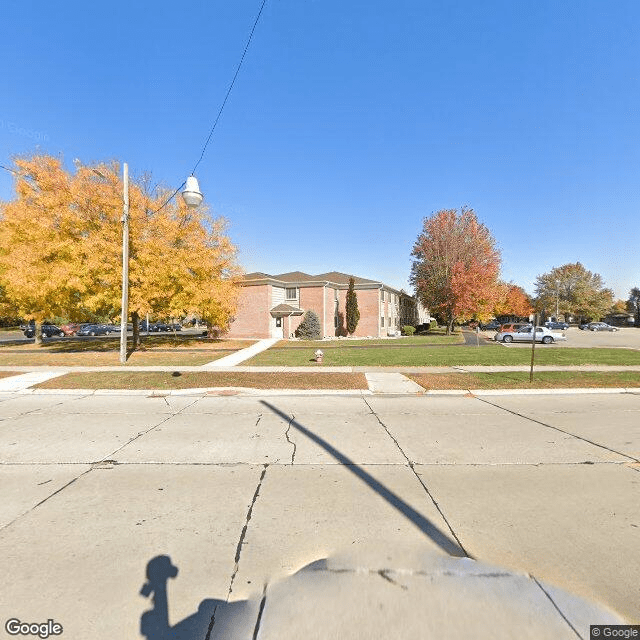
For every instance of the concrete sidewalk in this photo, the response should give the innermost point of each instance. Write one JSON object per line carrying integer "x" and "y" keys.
{"x": 242, "y": 355}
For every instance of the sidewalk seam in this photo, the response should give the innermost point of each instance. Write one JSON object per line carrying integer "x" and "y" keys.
{"x": 424, "y": 486}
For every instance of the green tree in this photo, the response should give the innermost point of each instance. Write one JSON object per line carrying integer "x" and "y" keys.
{"x": 309, "y": 328}
{"x": 633, "y": 305}
{"x": 353, "y": 314}
{"x": 573, "y": 291}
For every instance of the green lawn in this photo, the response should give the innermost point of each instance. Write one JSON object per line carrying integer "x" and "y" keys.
{"x": 436, "y": 338}
{"x": 520, "y": 380}
{"x": 425, "y": 355}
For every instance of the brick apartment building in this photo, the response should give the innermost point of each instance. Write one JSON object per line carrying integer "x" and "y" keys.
{"x": 273, "y": 306}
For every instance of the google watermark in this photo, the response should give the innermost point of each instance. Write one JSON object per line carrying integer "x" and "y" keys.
{"x": 598, "y": 631}
{"x": 14, "y": 627}
{"x": 18, "y": 130}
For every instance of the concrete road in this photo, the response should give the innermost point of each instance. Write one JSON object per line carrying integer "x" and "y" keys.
{"x": 116, "y": 511}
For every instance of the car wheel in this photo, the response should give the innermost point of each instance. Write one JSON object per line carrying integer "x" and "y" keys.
{"x": 61, "y": 334}
{"x": 507, "y": 339}
{"x": 547, "y": 340}
{"x": 92, "y": 333}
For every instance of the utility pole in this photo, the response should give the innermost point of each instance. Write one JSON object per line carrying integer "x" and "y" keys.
{"x": 125, "y": 266}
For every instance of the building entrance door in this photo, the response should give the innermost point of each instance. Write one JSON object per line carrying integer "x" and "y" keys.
{"x": 276, "y": 328}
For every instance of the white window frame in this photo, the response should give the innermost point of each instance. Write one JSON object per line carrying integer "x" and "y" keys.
{"x": 286, "y": 293}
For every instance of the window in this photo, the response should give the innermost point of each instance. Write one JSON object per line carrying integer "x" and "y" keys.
{"x": 291, "y": 293}
{"x": 278, "y": 322}
{"x": 382, "y": 296}
{"x": 382, "y": 321}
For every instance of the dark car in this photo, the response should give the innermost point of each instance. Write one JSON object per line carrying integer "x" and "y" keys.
{"x": 47, "y": 330}
{"x": 556, "y": 325}
{"x": 160, "y": 326}
{"x": 176, "y": 326}
{"x": 93, "y": 330}
{"x": 493, "y": 325}
{"x": 600, "y": 326}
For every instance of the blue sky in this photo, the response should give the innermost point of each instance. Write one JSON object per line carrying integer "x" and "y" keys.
{"x": 352, "y": 121}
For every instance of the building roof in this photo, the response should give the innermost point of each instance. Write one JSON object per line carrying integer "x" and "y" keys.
{"x": 287, "y": 308}
{"x": 293, "y": 276}
{"x": 300, "y": 278}
{"x": 343, "y": 278}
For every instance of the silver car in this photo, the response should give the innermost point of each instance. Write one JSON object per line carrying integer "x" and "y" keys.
{"x": 544, "y": 335}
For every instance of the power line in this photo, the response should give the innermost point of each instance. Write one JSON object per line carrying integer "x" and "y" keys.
{"x": 224, "y": 102}
{"x": 215, "y": 124}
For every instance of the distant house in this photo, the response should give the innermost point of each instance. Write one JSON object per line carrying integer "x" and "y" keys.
{"x": 272, "y": 306}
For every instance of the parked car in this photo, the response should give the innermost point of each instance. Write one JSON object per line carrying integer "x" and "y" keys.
{"x": 47, "y": 330}
{"x": 111, "y": 328}
{"x": 493, "y": 325}
{"x": 160, "y": 326}
{"x": 513, "y": 326}
{"x": 600, "y": 326}
{"x": 92, "y": 330}
{"x": 176, "y": 326}
{"x": 70, "y": 328}
{"x": 556, "y": 325}
{"x": 544, "y": 335}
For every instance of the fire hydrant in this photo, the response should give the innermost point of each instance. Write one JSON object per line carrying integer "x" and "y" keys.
{"x": 318, "y": 354}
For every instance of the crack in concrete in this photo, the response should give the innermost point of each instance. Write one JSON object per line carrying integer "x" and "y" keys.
{"x": 293, "y": 444}
{"x": 35, "y": 506}
{"x": 550, "y": 426}
{"x": 556, "y": 607}
{"x": 243, "y": 533}
{"x": 384, "y": 574}
{"x": 236, "y": 566}
{"x": 144, "y": 433}
{"x": 415, "y": 473}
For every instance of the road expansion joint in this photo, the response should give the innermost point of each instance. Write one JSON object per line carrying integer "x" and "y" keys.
{"x": 51, "y": 495}
{"x": 415, "y": 473}
{"x": 144, "y": 433}
{"x": 556, "y": 607}
{"x": 568, "y": 433}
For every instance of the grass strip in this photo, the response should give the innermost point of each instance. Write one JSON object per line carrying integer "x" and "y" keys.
{"x": 162, "y": 380}
{"x": 492, "y": 354}
{"x": 520, "y": 380}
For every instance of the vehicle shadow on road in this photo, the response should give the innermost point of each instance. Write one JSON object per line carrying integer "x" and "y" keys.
{"x": 442, "y": 540}
{"x": 228, "y": 618}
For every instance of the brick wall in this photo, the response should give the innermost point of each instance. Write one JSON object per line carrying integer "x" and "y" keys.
{"x": 252, "y": 316}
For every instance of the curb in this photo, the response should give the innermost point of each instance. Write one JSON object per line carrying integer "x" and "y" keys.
{"x": 248, "y": 391}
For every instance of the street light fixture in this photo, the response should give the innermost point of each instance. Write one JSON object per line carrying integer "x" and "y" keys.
{"x": 192, "y": 198}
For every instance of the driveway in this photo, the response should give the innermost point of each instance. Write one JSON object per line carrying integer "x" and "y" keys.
{"x": 120, "y": 514}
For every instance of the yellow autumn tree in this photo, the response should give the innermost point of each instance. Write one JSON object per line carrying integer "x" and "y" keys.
{"x": 61, "y": 248}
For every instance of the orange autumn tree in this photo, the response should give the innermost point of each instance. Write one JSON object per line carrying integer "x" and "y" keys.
{"x": 61, "y": 248}
{"x": 513, "y": 302}
{"x": 456, "y": 266}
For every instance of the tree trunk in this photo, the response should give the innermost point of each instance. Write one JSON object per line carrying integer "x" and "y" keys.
{"x": 450, "y": 326}
{"x": 38, "y": 332}
{"x": 136, "y": 330}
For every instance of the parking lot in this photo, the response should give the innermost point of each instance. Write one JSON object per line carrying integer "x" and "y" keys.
{"x": 626, "y": 338}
